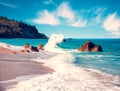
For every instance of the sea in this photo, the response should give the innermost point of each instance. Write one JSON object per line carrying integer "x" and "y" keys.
{"x": 75, "y": 71}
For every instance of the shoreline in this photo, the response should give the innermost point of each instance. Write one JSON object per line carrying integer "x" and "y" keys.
{"x": 63, "y": 76}
{"x": 11, "y": 69}
{"x": 17, "y": 65}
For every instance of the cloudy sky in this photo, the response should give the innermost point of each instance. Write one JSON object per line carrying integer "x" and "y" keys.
{"x": 73, "y": 18}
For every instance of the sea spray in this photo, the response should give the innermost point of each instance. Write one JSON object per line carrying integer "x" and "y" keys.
{"x": 53, "y": 41}
{"x": 58, "y": 62}
{"x": 59, "y": 55}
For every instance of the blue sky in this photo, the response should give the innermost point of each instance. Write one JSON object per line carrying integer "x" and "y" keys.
{"x": 73, "y": 18}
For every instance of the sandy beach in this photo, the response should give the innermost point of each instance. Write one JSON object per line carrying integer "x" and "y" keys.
{"x": 10, "y": 69}
{"x": 6, "y": 51}
{"x": 16, "y": 65}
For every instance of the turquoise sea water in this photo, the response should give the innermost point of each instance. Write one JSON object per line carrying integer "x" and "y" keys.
{"x": 107, "y": 61}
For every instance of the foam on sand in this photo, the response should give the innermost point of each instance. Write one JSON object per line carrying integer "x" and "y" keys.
{"x": 11, "y": 47}
{"x": 67, "y": 76}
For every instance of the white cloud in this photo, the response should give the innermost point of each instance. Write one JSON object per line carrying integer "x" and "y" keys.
{"x": 112, "y": 24}
{"x": 99, "y": 10}
{"x": 65, "y": 11}
{"x": 46, "y": 18}
{"x": 79, "y": 23}
{"x": 98, "y": 18}
{"x": 47, "y": 2}
{"x": 72, "y": 18}
{"x": 94, "y": 15}
{"x": 8, "y": 5}
{"x": 63, "y": 15}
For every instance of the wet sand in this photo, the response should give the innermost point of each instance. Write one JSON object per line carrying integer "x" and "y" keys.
{"x": 15, "y": 65}
{"x": 11, "y": 69}
{"x": 6, "y": 51}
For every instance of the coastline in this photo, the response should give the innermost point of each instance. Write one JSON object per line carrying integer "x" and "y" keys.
{"x": 17, "y": 65}
{"x": 6, "y": 51}
{"x": 66, "y": 75}
{"x": 10, "y": 69}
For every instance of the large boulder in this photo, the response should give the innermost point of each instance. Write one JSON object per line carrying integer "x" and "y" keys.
{"x": 90, "y": 47}
{"x": 40, "y": 47}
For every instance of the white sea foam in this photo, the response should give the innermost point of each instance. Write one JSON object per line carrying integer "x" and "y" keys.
{"x": 53, "y": 41}
{"x": 67, "y": 76}
{"x": 12, "y": 47}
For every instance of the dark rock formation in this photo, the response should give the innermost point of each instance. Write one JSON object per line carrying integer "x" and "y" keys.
{"x": 34, "y": 49}
{"x": 97, "y": 48}
{"x": 14, "y": 29}
{"x": 90, "y": 47}
{"x": 40, "y": 47}
{"x": 64, "y": 40}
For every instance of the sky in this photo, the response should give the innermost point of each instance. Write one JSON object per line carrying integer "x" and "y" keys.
{"x": 72, "y": 18}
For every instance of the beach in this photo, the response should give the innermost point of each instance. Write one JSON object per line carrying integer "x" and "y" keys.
{"x": 65, "y": 77}
{"x": 10, "y": 69}
{"x": 58, "y": 69}
{"x": 59, "y": 45}
{"x": 13, "y": 65}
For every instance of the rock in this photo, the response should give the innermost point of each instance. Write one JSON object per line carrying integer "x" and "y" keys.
{"x": 27, "y": 46}
{"x": 14, "y": 29}
{"x": 40, "y": 47}
{"x": 90, "y": 47}
{"x": 64, "y": 40}
{"x": 97, "y": 48}
{"x": 34, "y": 49}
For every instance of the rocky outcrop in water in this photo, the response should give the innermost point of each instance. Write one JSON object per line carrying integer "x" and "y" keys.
{"x": 14, "y": 29}
{"x": 90, "y": 47}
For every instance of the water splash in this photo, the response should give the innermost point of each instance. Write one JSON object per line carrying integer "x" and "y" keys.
{"x": 53, "y": 41}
